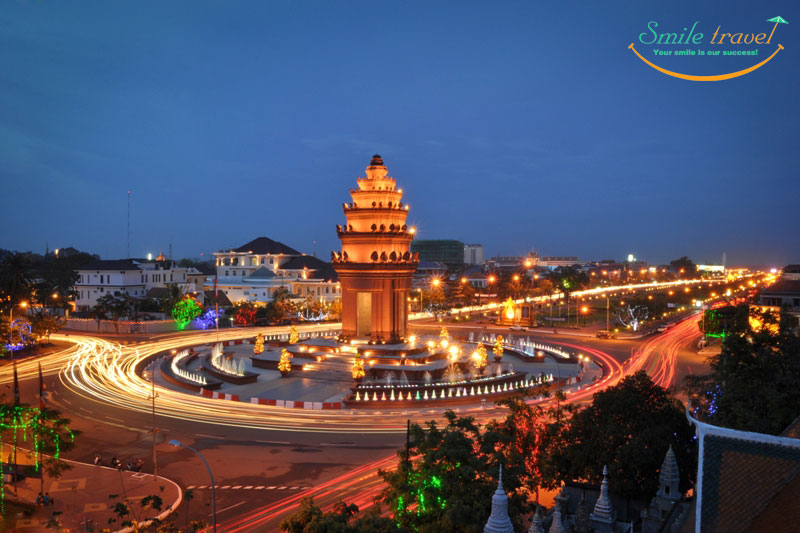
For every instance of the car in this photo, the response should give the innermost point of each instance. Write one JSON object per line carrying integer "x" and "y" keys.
{"x": 518, "y": 328}
{"x": 605, "y": 334}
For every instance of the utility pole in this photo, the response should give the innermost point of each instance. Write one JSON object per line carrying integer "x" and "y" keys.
{"x": 129, "y": 223}
{"x": 607, "y": 307}
{"x": 155, "y": 455}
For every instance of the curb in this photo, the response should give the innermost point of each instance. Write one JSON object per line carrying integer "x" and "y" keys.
{"x": 172, "y": 508}
{"x": 147, "y": 523}
{"x": 275, "y": 403}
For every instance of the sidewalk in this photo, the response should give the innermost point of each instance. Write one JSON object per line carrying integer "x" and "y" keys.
{"x": 81, "y": 495}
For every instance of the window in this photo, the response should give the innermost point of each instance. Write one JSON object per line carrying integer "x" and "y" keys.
{"x": 101, "y": 278}
{"x": 262, "y": 260}
{"x": 226, "y": 272}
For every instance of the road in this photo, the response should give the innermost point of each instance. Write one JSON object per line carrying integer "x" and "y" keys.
{"x": 280, "y": 455}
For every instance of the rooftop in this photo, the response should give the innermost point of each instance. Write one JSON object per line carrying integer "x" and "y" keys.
{"x": 264, "y": 246}
{"x": 111, "y": 264}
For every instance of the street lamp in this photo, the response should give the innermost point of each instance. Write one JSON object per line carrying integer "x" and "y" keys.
{"x": 23, "y": 304}
{"x": 179, "y": 444}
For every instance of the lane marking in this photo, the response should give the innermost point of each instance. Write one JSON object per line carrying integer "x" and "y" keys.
{"x": 114, "y": 419}
{"x": 231, "y": 507}
{"x": 337, "y": 444}
{"x": 273, "y": 442}
{"x": 209, "y": 436}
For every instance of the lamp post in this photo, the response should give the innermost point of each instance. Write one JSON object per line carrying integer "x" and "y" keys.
{"x": 179, "y": 444}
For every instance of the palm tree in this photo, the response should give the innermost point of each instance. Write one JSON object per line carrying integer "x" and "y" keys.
{"x": 16, "y": 278}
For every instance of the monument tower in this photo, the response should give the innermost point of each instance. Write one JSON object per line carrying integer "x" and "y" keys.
{"x": 375, "y": 265}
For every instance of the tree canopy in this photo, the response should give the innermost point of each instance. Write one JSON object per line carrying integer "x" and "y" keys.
{"x": 754, "y": 384}
{"x": 629, "y": 428}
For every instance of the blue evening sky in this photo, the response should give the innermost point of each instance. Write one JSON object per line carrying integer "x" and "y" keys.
{"x": 517, "y": 125}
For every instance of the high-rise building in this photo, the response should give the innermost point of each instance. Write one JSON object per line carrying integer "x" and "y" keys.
{"x": 473, "y": 254}
{"x": 447, "y": 251}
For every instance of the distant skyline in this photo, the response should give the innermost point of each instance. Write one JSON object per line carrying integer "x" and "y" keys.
{"x": 515, "y": 125}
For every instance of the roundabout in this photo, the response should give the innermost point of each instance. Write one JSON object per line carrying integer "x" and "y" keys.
{"x": 126, "y": 376}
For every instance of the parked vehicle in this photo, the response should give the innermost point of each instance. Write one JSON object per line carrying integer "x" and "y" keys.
{"x": 605, "y": 334}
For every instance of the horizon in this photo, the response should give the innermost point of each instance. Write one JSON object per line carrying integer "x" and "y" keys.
{"x": 229, "y": 125}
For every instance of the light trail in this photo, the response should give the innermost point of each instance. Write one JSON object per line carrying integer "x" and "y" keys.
{"x": 658, "y": 355}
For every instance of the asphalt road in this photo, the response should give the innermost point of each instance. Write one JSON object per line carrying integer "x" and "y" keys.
{"x": 261, "y": 473}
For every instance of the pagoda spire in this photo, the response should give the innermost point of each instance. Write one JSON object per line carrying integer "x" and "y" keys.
{"x": 499, "y": 522}
{"x": 669, "y": 477}
{"x": 537, "y": 526}
{"x": 602, "y": 517}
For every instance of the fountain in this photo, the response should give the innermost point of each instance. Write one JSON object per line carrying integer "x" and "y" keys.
{"x": 403, "y": 379}
{"x": 452, "y": 374}
{"x": 388, "y": 377}
{"x": 427, "y": 378}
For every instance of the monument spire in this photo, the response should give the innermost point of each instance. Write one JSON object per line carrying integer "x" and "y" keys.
{"x": 375, "y": 265}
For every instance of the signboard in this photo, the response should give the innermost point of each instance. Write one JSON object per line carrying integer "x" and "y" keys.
{"x": 554, "y": 318}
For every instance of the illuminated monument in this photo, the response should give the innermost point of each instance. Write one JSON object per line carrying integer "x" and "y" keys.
{"x": 375, "y": 265}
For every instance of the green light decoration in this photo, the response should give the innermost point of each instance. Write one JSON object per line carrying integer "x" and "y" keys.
{"x": 185, "y": 311}
{"x": 39, "y": 425}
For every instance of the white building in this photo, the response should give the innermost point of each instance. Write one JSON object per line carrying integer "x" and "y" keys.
{"x": 133, "y": 277}
{"x": 473, "y": 254}
{"x": 253, "y": 272}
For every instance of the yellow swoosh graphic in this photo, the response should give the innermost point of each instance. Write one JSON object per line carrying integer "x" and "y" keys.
{"x": 718, "y": 77}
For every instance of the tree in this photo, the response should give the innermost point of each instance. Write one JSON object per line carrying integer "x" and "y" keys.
{"x": 112, "y": 307}
{"x": 449, "y": 483}
{"x": 683, "y": 267}
{"x": 43, "y": 325}
{"x": 568, "y": 279}
{"x": 481, "y": 358}
{"x": 523, "y": 437}
{"x": 244, "y": 313}
{"x": 171, "y": 299}
{"x": 16, "y": 280}
{"x": 629, "y": 428}
{"x": 498, "y": 348}
{"x": 185, "y": 311}
{"x": 285, "y": 363}
{"x": 358, "y": 367}
{"x": 754, "y": 384}
{"x": 280, "y": 297}
{"x": 309, "y": 518}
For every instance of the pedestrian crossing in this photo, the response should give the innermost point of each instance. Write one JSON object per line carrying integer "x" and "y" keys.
{"x": 247, "y": 487}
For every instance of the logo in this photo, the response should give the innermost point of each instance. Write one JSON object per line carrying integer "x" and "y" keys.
{"x": 695, "y": 41}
